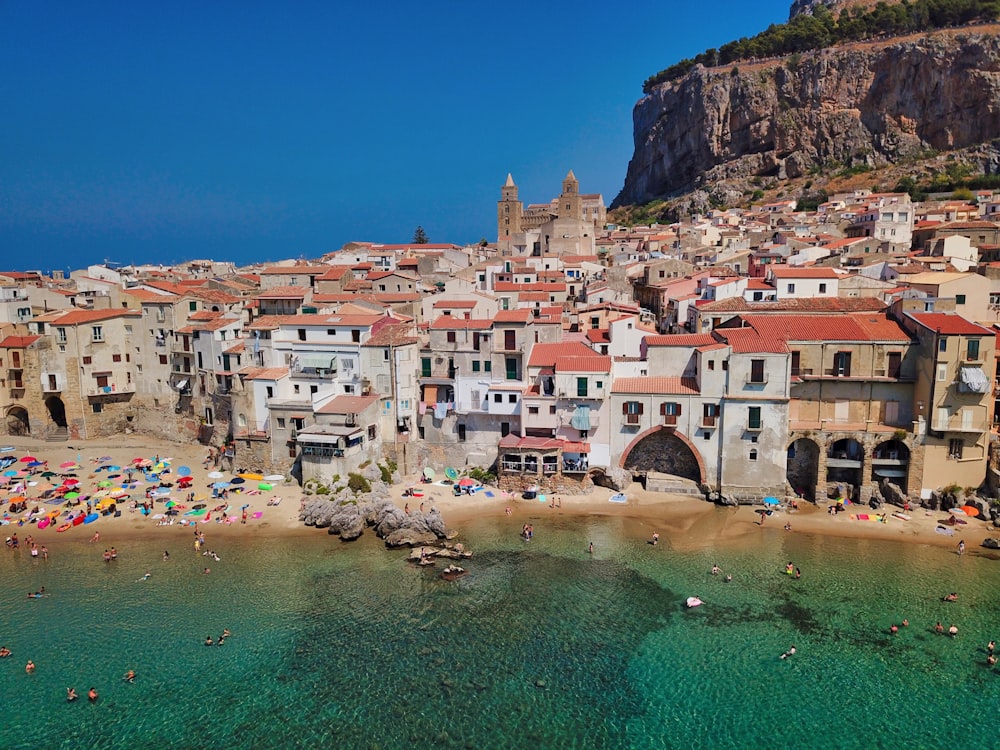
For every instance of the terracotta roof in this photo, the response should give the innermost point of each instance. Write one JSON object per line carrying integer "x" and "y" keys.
{"x": 591, "y": 363}
{"x": 450, "y": 322}
{"x": 680, "y": 339}
{"x": 950, "y": 324}
{"x": 145, "y": 295}
{"x": 346, "y": 404}
{"x": 284, "y": 292}
{"x": 858, "y": 327}
{"x": 18, "y": 342}
{"x": 545, "y": 355}
{"x": 392, "y": 335}
{"x": 533, "y": 297}
{"x": 811, "y": 305}
{"x": 309, "y": 270}
{"x": 76, "y": 317}
{"x": 333, "y": 273}
{"x": 749, "y": 341}
{"x": 816, "y": 272}
{"x": 265, "y": 373}
{"x": 522, "y": 315}
{"x": 455, "y": 303}
{"x": 656, "y": 384}
{"x": 530, "y": 443}
{"x": 599, "y": 335}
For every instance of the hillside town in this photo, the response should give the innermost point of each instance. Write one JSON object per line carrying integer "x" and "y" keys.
{"x": 738, "y": 354}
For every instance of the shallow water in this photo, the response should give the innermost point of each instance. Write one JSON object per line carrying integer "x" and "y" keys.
{"x": 541, "y": 645}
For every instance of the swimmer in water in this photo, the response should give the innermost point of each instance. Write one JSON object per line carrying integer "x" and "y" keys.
{"x": 29, "y": 668}
{"x": 71, "y": 695}
{"x": 789, "y": 652}
{"x": 4, "y": 652}
{"x": 209, "y": 641}
{"x": 226, "y": 633}
{"x": 129, "y": 676}
{"x": 147, "y": 576}
{"x": 92, "y": 695}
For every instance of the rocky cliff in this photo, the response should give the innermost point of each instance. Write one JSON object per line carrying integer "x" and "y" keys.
{"x": 873, "y": 103}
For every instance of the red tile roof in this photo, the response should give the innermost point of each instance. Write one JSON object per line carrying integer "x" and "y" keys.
{"x": 858, "y": 327}
{"x": 748, "y": 341}
{"x": 449, "y": 322}
{"x": 455, "y": 303}
{"x": 599, "y": 335}
{"x": 591, "y": 363}
{"x": 77, "y": 317}
{"x": 680, "y": 339}
{"x": 522, "y": 315}
{"x": 18, "y": 342}
{"x": 545, "y": 355}
{"x": 657, "y": 384}
{"x": 347, "y": 404}
{"x": 950, "y": 324}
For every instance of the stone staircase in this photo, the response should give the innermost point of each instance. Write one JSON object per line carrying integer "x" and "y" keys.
{"x": 57, "y": 435}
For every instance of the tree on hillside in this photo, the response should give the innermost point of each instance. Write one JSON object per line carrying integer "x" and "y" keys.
{"x": 420, "y": 236}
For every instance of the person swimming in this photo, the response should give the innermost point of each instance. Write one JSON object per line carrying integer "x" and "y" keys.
{"x": 789, "y": 652}
{"x": 716, "y": 569}
{"x": 226, "y": 633}
{"x": 952, "y": 597}
{"x": 209, "y": 641}
{"x": 71, "y": 695}
{"x": 92, "y": 695}
{"x": 147, "y": 576}
{"x": 4, "y": 652}
{"x": 129, "y": 676}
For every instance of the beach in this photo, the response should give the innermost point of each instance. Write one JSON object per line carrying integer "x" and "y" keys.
{"x": 685, "y": 521}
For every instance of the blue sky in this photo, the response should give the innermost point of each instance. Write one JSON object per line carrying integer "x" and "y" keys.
{"x": 248, "y": 131}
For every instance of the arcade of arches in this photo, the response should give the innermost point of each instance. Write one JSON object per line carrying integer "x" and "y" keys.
{"x": 665, "y": 452}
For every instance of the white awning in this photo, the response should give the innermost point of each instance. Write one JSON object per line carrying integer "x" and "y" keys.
{"x": 973, "y": 380}
{"x": 182, "y": 385}
{"x": 328, "y": 362}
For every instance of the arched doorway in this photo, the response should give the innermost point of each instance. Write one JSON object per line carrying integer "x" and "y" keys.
{"x": 663, "y": 451}
{"x": 17, "y": 421}
{"x": 57, "y": 410}
{"x": 803, "y": 467}
{"x": 844, "y": 460}
{"x": 891, "y": 460}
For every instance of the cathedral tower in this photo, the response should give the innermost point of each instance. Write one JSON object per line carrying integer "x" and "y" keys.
{"x": 509, "y": 211}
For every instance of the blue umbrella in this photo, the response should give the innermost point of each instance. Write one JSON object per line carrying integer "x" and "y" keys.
{"x": 220, "y": 485}
{"x": 771, "y": 501}
{"x": 184, "y": 471}
{"x": 10, "y": 473}
{"x": 35, "y": 463}
{"x": 114, "y": 468}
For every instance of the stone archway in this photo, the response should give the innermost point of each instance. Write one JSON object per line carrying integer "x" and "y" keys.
{"x": 845, "y": 463}
{"x": 57, "y": 410}
{"x": 17, "y": 421}
{"x": 802, "y": 470}
{"x": 891, "y": 461}
{"x": 666, "y": 451}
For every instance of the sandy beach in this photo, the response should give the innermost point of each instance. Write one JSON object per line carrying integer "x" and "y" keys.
{"x": 687, "y": 523}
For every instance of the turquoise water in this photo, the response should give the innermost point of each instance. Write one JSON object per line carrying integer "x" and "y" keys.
{"x": 541, "y": 646}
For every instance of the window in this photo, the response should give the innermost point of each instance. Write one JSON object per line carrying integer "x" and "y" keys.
{"x": 96, "y": 333}
{"x": 355, "y": 335}
{"x": 385, "y": 355}
{"x": 972, "y": 352}
{"x": 709, "y": 414}
{"x": 552, "y": 409}
{"x": 425, "y": 367}
{"x": 451, "y": 337}
{"x": 796, "y": 364}
{"x": 632, "y": 411}
{"x": 87, "y": 360}
{"x": 192, "y": 306}
{"x": 497, "y": 398}
{"x": 302, "y": 334}
{"x": 61, "y": 335}
{"x": 295, "y": 388}
{"x": 598, "y": 384}
{"x": 895, "y": 364}
{"x": 711, "y": 364}
{"x": 842, "y": 364}
{"x": 822, "y": 288}
{"x": 753, "y": 418}
{"x": 757, "y": 371}
{"x": 270, "y": 391}
{"x": 511, "y": 367}
{"x": 532, "y": 410}
{"x": 504, "y": 429}
{"x": 163, "y": 359}
{"x": 281, "y": 423}
{"x": 511, "y": 398}
{"x": 97, "y": 407}
{"x": 475, "y": 365}
{"x": 461, "y": 433}
{"x": 942, "y": 373}
{"x": 955, "y": 448}
{"x": 670, "y": 411}
{"x": 581, "y": 387}
{"x": 959, "y": 299}
{"x": 116, "y": 358}
{"x": 487, "y": 366}
{"x": 943, "y": 345}
{"x": 791, "y": 288}
{"x": 753, "y": 454}
{"x": 313, "y": 389}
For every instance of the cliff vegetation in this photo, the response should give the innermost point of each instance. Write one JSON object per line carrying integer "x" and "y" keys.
{"x": 820, "y": 29}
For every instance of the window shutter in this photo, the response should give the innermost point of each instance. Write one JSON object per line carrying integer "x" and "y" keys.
{"x": 663, "y": 409}
{"x": 639, "y": 404}
{"x": 678, "y": 409}
{"x": 625, "y": 407}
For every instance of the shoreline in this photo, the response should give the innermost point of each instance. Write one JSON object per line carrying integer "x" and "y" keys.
{"x": 682, "y": 521}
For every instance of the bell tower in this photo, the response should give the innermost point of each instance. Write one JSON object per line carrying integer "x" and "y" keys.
{"x": 509, "y": 211}
{"x": 570, "y": 202}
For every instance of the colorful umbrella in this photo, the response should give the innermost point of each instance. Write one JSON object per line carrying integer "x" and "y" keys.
{"x": 35, "y": 463}
{"x": 48, "y": 474}
{"x": 429, "y": 473}
{"x": 184, "y": 471}
{"x": 104, "y": 483}
{"x": 237, "y": 480}
{"x": 466, "y": 482}
{"x": 970, "y": 510}
{"x": 67, "y": 465}
{"x": 451, "y": 473}
{"x": 71, "y": 482}
{"x": 220, "y": 485}
{"x": 10, "y": 473}
{"x": 71, "y": 495}
{"x": 28, "y": 459}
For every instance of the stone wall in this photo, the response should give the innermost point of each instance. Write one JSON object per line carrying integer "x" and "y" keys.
{"x": 550, "y": 484}
{"x": 666, "y": 454}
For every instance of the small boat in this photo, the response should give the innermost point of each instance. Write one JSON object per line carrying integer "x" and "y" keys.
{"x": 693, "y": 601}
{"x": 65, "y": 527}
{"x": 90, "y": 517}
{"x": 44, "y": 523}
{"x": 78, "y": 520}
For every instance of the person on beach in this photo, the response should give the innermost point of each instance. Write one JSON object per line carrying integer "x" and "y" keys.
{"x": 790, "y": 569}
{"x": 788, "y": 526}
{"x": 206, "y": 571}
{"x": 590, "y": 548}
{"x": 991, "y": 660}
{"x": 29, "y": 668}
{"x": 763, "y": 515}
{"x": 905, "y": 623}
{"x": 509, "y": 511}
{"x": 114, "y": 554}
{"x": 166, "y": 555}
{"x": 894, "y": 629}
{"x": 798, "y": 573}
{"x": 71, "y": 695}
{"x": 92, "y": 695}
{"x": 656, "y": 538}
{"x": 45, "y": 552}
{"x": 728, "y": 579}
{"x": 939, "y": 628}
{"x": 991, "y": 646}
{"x": 96, "y": 537}
{"x": 952, "y": 597}
{"x": 961, "y": 547}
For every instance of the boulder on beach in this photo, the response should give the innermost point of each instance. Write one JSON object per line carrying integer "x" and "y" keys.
{"x": 348, "y": 518}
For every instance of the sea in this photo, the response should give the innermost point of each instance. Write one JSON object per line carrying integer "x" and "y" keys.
{"x": 541, "y": 645}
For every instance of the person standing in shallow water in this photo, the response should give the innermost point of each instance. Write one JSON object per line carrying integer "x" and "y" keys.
{"x": 961, "y": 547}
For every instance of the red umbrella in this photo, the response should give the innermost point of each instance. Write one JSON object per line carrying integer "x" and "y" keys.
{"x": 970, "y": 510}
{"x": 67, "y": 464}
{"x": 466, "y": 482}
{"x": 28, "y": 459}
{"x": 71, "y": 482}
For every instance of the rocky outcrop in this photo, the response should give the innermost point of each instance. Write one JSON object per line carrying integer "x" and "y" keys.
{"x": 861, "y": 104}
{"x": 349, "y": 517}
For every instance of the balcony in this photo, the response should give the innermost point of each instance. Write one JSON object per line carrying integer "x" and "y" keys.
{"x": 709, "y": 422}
{"x": 669, "y": 420}
{"x": 575, "y": 467}
{"x": 759, "y": 380}
{"x": 315, "y": 374}
{"x": 956, "y": 424}
{"x": 502, "y": 347}
{"x": 754, "y": 426}
{"x": 110, "y": 390}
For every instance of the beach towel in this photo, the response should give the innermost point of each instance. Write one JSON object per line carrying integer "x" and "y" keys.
{"x": 488, "y": 493}
{"x": 943, "y": 530}
{"x": 258, "y": 514}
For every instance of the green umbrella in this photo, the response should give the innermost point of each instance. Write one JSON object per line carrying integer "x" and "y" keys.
{"x": 104, "y": 483}
{"x": 71, "y": 495}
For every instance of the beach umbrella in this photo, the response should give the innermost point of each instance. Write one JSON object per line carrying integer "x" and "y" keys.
{"x": 67, "y": 465}
{"x": 215, "y": 475}
{"x": 104, "y": 483}
{"x": 10, "y": 473}
{"x": 159, "y": 467}
{"x": 237, "y": 480}
{"x": 114, "y": 468}
{"x": 451, "y": 473}
{"x": 71, "y": 495}
{"x": 4, "y": 479}
{"x": 220, "y": 485}
{"x": 117, "y": 493}
{"x": 48, "y": 474}
{"x": 429, "y": 473}
{"x": 466, "y": 482}
{"x": 28, "y": 459}
{"x": 171, "y": 503}
{"x": 35, "y": 463}
{"x": 71, "y": 482}
{"x": 184, "y": 471}
{"x": 970, "y": 510}
{"x": 771, "y": 501}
